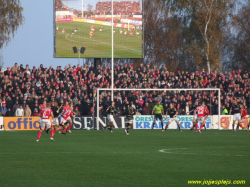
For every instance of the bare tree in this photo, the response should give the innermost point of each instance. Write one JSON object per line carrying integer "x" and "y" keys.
{"x": 11, "y": 18}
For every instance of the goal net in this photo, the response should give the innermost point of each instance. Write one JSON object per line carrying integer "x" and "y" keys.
{"x": 184, "y": 100}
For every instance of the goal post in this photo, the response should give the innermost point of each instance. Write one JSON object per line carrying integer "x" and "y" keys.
{"x": 99, "y": 122}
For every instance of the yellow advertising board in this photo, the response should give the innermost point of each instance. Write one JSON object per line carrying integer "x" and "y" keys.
{"x": 21, "y": 123}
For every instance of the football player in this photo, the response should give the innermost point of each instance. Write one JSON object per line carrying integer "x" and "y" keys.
{"x": 130, "y": 112}
{"x": 111, "y": 111}
{"x": 172, "y": 112}
{"x": 45, "y": 115}
{"x": 202, "y": 114}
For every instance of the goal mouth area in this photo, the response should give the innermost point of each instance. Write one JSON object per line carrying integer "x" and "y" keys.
{"x": 144, "y": 90}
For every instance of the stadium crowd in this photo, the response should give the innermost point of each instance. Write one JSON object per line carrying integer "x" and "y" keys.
{"x": 23, "y": 89}
{"x": 120, "y": 8}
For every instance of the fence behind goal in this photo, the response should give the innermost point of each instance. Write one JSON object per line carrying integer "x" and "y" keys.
{"x": 174, "y": 95}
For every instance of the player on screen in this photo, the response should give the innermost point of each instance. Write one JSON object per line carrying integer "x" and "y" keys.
{"x": 111, "y": 111}
{"x": 92, "y": 28}
{"x": 202, "y": 114}
{"x": 235, "y": 110}
{"x": 137, "y": 33}
{"x": 91, "y": 34}
{"x": 172, "y": 112}
{"x": 120, "y": 31}
{"x": 243, "y": 114}
{"x": 45, "y": 115}
{"x": 130, "y": 112}
{"x": 131, "y": 33}
{"x": 100, "y": 29}
{"x": 76, "y": 29}
{"x": 158, "y": 111}
{"x": 63, "y": 31}
{"x": 125, "y": 32}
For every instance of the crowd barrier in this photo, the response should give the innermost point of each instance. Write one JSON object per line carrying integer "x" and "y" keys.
{"x": 139, "y": 122}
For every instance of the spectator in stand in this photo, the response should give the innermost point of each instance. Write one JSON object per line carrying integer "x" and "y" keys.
{"x": 9, "y": 113}
{"x": 19, "y": 111}
{"x": 3, "y": 109}
{"x": 146, "y": 110}
{"x": 27, "y": 111}
{"x": 35, "y": 113}
{"x": 15, "y": 106}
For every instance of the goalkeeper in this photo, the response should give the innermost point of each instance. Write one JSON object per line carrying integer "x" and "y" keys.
{"x": 130, "y": 112}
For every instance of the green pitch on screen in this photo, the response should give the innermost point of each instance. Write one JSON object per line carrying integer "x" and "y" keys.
{"x": 99, "y": 46}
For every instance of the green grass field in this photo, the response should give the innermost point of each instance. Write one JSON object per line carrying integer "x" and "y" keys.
{"x": 99, "y": 46}
{"x": 145, "y": 158}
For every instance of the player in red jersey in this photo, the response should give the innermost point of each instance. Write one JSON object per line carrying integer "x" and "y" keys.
{"x": 42, "y": 106}
{"x": 202, "y": 114}
{"x": 65, "y": 120}
{"x": 45, "y": 115}
{"x": 243, "y": 114}
{"x": 91, "y": 34}
{"x": 92, "y": 28}
{"x": 67, "y": 106}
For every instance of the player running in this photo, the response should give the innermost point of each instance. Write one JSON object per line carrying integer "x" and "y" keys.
{"x": 243, "y": 114}
{"x": 194, "y": 106}
{"x": 158, "y": 111}
{"x": 130, "y": 112}
{"x": 172, "y": 112}
{"x": 202, "y": 114}
{"x": 65, "y": 120}
{"x": 45, "y": 115}
{"x": 235, "y": 110}
{"x": 111, "y": 111}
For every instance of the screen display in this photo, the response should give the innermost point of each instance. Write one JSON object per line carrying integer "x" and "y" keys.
{"x": 88, "y": 24}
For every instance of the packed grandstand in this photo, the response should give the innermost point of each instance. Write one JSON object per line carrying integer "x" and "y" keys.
{"x": 29, "y": 87}
{"x": 104, "y": 7}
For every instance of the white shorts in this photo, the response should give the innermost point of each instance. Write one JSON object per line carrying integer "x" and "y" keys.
{"x": 200, "y": 119}
{"x": 130, "y": 121}
{"x": 195, "y": 116}
{"x": 45, "y": 122}
{"x": 244, "y": 118}
{"x": 173, "y": 119}
{"x": 110, "y": 118}
{"x": 55, "y": 121}
{"x": 237, "y": 117}
{"x": 63, "y": 121}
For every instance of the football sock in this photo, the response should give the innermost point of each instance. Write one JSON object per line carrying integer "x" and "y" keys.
{"x": 39, "y": 135}
{"x": 64, "y": 130}
{"x": 201, "y": 127}
{"x": 69, "y": 127}
{"x": 196, "y": 125}
{"x": 153, "y": 125}
{"x": 51, "y": 133}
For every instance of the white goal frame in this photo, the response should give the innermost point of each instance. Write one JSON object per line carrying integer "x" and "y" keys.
{"x": 144, "y": 89}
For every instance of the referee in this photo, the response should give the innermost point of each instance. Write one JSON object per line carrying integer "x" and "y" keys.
{"x": 158, "y": 111}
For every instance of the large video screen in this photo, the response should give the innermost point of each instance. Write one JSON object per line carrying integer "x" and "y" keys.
{"x": 88, "y": 24}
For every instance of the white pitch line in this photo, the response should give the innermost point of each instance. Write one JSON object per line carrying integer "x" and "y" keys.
{"x": 66, "y": 37}
{"x": 177, "y": 151}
